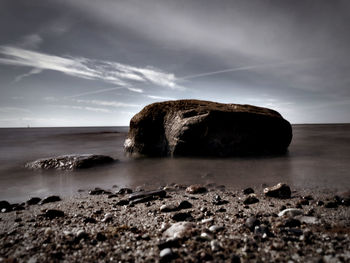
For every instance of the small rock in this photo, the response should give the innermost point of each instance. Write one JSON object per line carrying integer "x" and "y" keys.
{"x": 33, "y": 201}
{"x": 53, "y": 213}
{"x": 48, "y": 231}
{"x": 100, "y": 237}
{"x": 207, "y": 220}
{"x": 320, "y": 203}
{"x": 214, "y": 245}
{"x": 291, "y": 212}
{"x": 144, "y": 194}
{"x": 107, "y": 218}
{"x": 251, "y": 199}
{"x": 90, "y": 220}
{"x": 168, "y": 208}
{"x": 309, "y": 220}
{"x": 251, "y": 222}
{"x": 99, "y": 191}
{"x": 280, "y": 190}
{"x": 122, "y": 202}
{"x": 331, "y": 205}
{"x": 261, "y": 230}
{"x": 81, "y": 234}
{"x": 215, "y": 228}
{"x": 124, "y": 191}
{"x": 303, "y": 202}
{"x": 206, "y": 236}
{"x": 184, "y": 205}
{"x": 248, "y": 191}
{"x": 182, "y": 217}
{"x": 196, "y": 189}
{"x": 292, "y": 222}
{"x": 50, "y": 199}
{"x": 179, "y": 230}
{"x": 169, "y": 243}
{"x": 5, "y": 206}
{"x": 166, "y": 255}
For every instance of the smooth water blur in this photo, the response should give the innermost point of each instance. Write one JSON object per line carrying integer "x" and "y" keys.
{"x": 319, "y": 156}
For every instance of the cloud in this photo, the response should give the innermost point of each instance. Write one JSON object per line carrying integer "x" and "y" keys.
{"x": 31, "y": 72}
{"x": 84, "y": 108}
{"x": 31, "y": 41}
{"x": 159, "y": 97}
{"x": 14, "y": 110}
{"x": 111, "y": 72}
{"x": 115, "y": 104}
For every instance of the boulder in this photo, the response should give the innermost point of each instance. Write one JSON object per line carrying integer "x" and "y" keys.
{"x": 70, "y": 162}
{"x": 194, "y": 127}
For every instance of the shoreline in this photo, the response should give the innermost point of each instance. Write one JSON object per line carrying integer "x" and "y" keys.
{"x": 220, "y": 227}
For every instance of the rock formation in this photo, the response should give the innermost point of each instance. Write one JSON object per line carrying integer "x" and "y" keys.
{"x": 194, "y": 127}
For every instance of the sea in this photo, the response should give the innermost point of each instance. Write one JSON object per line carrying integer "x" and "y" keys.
{"x": 318, "y": 157}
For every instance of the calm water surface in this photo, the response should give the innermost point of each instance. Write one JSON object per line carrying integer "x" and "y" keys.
{"x": 319, "y": 156}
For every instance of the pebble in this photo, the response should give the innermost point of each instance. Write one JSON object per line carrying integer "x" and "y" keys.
{"x": 107, "y": 218}
{"x": 53, "y": 213}
{"x": 196, "y": 189}
{"x": 248, "y": 191}
{"x": 309, "y": 220}
{"x": 291, "y": 222}
{"x": 33, "y": 201}
{"x": 48, "y": 231}
{"x": 291, "y": 212}
{"x": 214, "y": 245}
{"x": 251, "y": 199}
{"x": 166, "y": 254}
{"x": 207, "y": 220}
{"x": 206, "y": 236}
{"x": 182, "y": 217}
{"x": 5, "y": 206}
{"x": 168, "y": 208}
{"x": 184, "y": 205}
{"x": 124, "y": 191}
{"x": 99, "y": 191}
{"x": 169, "y": 243}
{"x": 281, "y": 190}
{"x": 331, "y": 205}
{"x": 178, "y": 230}
{"x": 81, "y": 234}
{"x": 50, "y": 199}
{"x": 215, "y": 228}
{"x": 122, "y": 202}
{"x": 251, "y": 222}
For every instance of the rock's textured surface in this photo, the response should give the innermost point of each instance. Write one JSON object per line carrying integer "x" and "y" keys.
{"x": 70, "y": 162}
{"x": 194, "y": 127}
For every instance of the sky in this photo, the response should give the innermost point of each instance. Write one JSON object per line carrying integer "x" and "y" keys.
{"x": 97, "y": 63}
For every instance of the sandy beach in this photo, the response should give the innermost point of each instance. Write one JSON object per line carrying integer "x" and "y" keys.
{"x": 218, "y": 225}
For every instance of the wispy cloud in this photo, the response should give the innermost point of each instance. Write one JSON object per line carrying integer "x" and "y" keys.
{"x": 115, "y": 104}
{"x": 85, "y": 108}
{"x": 14, "y": 110}
{"x": 159, "y": 97}
{"x": 111, "y": 72}
{"x": 31, "y": 41}
{"x": 31, "y": 72}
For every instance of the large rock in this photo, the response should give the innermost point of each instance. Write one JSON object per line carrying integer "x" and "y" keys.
{"x": 70, "y": 162}
{"x": 194, "y": 127}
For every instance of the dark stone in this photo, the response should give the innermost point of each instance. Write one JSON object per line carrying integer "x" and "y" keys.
{"x": 53, "y": 213}
{"x": 50, "y": 199}
{"x": 196, "y": 189}
{"x": 280, "y": 190}
{"x": 124, "y": 191}
{"x": 182, "y": 217}
{"x": 320, "y": 203}
{"x": 173, "y": 242}
{"x": 112, "y": 196}
{"x": 100, "y": 237}
{"x": 5, "y": 205}
{"x": 90, "y": 220}
{"x": 70, "y": 162}
{"x": 142, "y": 194}
{"x": 251, "y": 199}
{"x": 248, "y": 191}
{"x": 122, "y": 202}
{"x": 331, "y": 205}
{"x": 17, "y": 207}
{"x": 99, "y": 191}
{"x": 184, "y": 205}
{"x": 251, "y": 222}
{"x": 303, "y": 202}
{"x": 33, "y": 201}
{"x": 194, "y": 127}
{"x": 291, "y": 222}
{"x": 145, "y": 199}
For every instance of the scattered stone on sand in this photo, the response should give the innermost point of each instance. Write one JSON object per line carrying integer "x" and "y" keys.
{"x": 168, "y": 208}
{"x": 107, "y": 218}
{"x": 145, "y": 194}
{"x": 5, "y": 206}
{"x": 250, "y": 199}
{"x": 248, "y": 191}
{"x": 123, "y": 191}
{"x": 166, "y": 255}
{"x": 99, "y": 191}
{"x": 182, "y": 217}
{"x": 179, "y": 230}
{"x": 194, "y": 127}
{"x": 184, "y": 205}
{"x": 50, "y": 199}
{"x": 53, "y": 213}
{"x": 290, "y": 212}
{"x": 196, "y": 189}
{"x": 70, "y": 162}
{"x": 33, "y": 201}
{"x": 251, "y": 222}
{"x": 280, "y": 190}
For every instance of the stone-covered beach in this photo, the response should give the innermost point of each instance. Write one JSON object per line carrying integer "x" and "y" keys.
{"x": 178, "y": 223}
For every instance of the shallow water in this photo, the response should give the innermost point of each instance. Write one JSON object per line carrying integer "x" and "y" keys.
{"x": 319, "y": 156}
